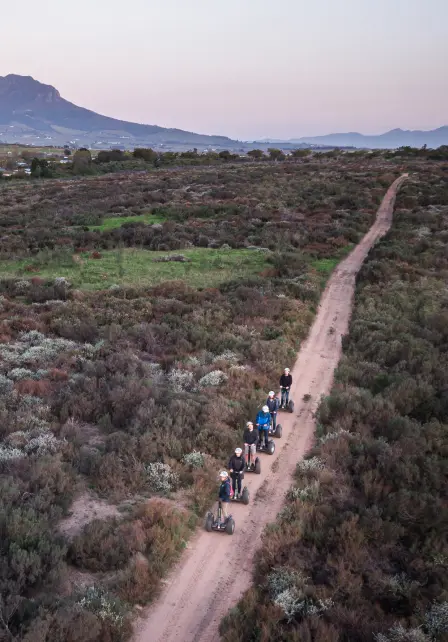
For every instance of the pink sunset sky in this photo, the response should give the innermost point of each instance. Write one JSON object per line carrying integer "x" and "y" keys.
{"x": 243, "y": 68}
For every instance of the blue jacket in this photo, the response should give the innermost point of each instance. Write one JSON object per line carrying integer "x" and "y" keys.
{"x": 273, "y": 404}
{"x": 224, "y": 490}
{"x": 263, "y": 420}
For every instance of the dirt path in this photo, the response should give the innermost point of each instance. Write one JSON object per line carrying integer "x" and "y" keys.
{"x": 217, "y": 568}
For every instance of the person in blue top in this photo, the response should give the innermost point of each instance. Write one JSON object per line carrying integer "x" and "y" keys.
{"x": 224, "y": 492}
{"x": 273, "y": 404}
{"x": 263, "y": 422}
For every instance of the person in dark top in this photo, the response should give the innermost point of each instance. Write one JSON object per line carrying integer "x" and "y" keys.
{"x": 250, "y": 443}
{"x": 273, "y": 404}
{"x": 224, "y": 492}
{"x": 285, "y": 387}
{"x": 237, "y": 464}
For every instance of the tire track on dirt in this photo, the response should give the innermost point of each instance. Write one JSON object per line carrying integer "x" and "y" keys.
{"x": 216, "y": 568}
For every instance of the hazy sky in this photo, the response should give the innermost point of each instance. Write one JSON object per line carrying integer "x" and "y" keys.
{"x": 243, "y": 68}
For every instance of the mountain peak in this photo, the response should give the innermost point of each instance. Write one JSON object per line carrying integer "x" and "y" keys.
{"x": 21, "y": 92}
{"x": 31, "y": 110}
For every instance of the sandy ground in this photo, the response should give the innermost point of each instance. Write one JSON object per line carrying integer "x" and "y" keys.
{"x": 84, "y": 509}
{"x": 217, "y": 568}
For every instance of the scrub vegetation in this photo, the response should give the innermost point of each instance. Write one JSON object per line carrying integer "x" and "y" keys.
{"x": 127, "y": 372}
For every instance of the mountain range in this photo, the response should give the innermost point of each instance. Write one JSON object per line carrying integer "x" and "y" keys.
{"x": 389, "y": 140}
{"x": 36, "y": 114}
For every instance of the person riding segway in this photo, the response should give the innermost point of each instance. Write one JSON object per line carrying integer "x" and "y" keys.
{"x": 285, "y": 387}
{"x": 225, "y": 492}
{"x": 273, "y": 404}
{"x": 236, "y": 467}
{"x": 263, "y": 422}
{"x": 225, "y": 495}
{"x": 250, "y": 448}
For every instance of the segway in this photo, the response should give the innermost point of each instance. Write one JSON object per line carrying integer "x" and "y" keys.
{"x": 253, "y": 467}
{"x": 213, "y": 523}
{"x": 262, "y": 448}
{"x": 289, "y": 406}
{"x": 277, "y": 432}
{"x": 244, "y": 497}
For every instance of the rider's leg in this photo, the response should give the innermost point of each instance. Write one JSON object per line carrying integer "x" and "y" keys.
{"x": 253, "y": 451}
{"x": 282, "y": 403}
{"x": 234, "y": 482}
{"x": 239, "y": 484}
{"x": 287, "y": 397}
{"x": 266, "y": 437}
{"x": 274, "y": 420}
{"x": 224, "y": 510}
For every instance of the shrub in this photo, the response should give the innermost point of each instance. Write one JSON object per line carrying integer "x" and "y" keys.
{"x": 101, "y": 546}
{"x": 181, "y": 380}
{"x": 107, "y": 608}
{"x": 9, "y": 454}
{"x": 161, "y": 478}
{"x": 213, "y": 378}
{"x": 400, "y": 634}
{"x": 436, "y": 619}
{"x": 194, "y": 459}
{"x": 43, "y": 444}
{"x": 307, "y": 494}
{"x": 6, "y": 385}
{"x": 310, "y": 465}
{"x": 20, "y": 373}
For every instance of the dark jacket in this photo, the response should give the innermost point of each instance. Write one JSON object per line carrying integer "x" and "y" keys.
{"x": 286, "y": 381}
{"x": 224, "y": 490}
{"x": 237, "y": 463}
{"x": 272, "y": 404}
{"x": 250, "y": 436}
{"x": 263, "y": 420}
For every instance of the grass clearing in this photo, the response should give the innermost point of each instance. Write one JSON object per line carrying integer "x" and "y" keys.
{"x": 112, "y": 222}
{"x": 205, "y": 268}
{"x": 324, "y": 267}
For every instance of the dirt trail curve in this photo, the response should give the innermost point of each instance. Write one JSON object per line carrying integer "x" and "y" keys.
{"x": 216, "y": 568}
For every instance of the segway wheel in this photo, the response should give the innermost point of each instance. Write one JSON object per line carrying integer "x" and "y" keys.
{"x": 209, "y": 522}
{"x": 278, "y": 431}
{"x": 245, "y": 495}
{"x": 257, "y": 466}
{"x": 291, "y": 406}
{"x": 230, "y": 526}
{"x": 271, "y": 448}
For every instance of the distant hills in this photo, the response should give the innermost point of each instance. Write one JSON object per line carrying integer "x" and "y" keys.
{"x": 389, "y": 140}
{"x": 34, "y": 113}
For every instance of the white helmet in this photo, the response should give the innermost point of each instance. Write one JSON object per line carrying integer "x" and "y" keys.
{"x": 223, "y": 474}
{"x": 265, "y": 409}
{"x": 238, "y": 451}
{"x": 250, "y": 423}
{"x": 287, "y": 370}
{"x": 271, "y": 393}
